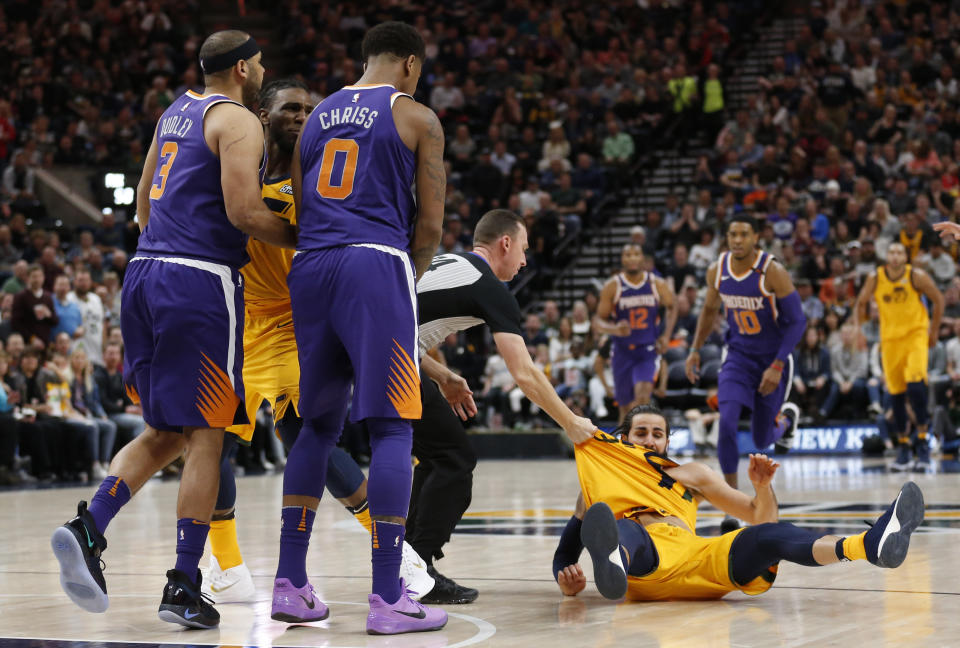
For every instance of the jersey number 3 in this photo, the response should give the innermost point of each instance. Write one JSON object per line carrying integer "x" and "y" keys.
{"x": 169, "y": 154}
{"x": 331, "y": 149}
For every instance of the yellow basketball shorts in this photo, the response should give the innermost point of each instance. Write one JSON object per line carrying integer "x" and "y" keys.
{"x": 691, "y": 568}
{"x": 904, "y": 361}
{"x": 271, "y": 370}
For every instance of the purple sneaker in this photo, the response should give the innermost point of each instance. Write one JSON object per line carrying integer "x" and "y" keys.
{"x": 296, "y": 604}
{"x": 406, "y": 615}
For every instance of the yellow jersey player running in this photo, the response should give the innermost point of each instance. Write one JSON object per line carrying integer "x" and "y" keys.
{"x": 637, "y": 517}
{"x": 906, "y": 332}
{"x": 271, "y": 370}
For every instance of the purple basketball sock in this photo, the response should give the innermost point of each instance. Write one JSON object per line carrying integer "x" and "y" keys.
{"x": 296, "y": 523}
{"x": 191, "y": 536}
{"x": 388, "y": 491}
{"x": 106, "y": 503}
{"x": 387, "y": 550}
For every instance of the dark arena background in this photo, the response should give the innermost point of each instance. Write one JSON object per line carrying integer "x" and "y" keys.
{"x": 835, "y": 125}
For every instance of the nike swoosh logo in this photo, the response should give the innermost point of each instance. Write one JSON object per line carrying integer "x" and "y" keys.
{"x": 308, "y": 603}
{"x": 284, "y": 324}
{"x": 187, "y": 615}
{"x": 217, "y": 590}
{"x": 89, "y": 541}
{"x": 413, "y": 615}
{"x": 892, "y": 526}
{"x": 419, "y": 565}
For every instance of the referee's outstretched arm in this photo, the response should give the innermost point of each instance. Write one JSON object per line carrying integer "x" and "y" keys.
{"x": 533, "y": 382}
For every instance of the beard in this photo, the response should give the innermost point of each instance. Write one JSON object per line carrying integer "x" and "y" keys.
{"x": 284, "y": 141}
{"x": 250, "y": 89}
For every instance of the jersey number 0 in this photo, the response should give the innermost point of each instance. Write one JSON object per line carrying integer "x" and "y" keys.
{"x": 331, "y": 150}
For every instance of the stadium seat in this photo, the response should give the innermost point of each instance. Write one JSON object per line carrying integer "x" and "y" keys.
{"x": 709, "y": 373}
{"x": 675, "y": 354}
{"x": 710, "y": 352}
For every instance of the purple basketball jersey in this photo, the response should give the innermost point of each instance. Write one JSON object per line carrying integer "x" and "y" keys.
{"x": 751, "y": 309}
{"x": 357, "y": 172}
{"x": 187, "y": 216}
{"x": 638, "y": 304}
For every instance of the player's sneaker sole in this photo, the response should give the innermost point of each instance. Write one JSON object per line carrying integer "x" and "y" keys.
{"x": 178, "y": 614}
{"x": 75, "y": 578}
{"x": 601, "y": 539}
{"x": 907, "y": 516}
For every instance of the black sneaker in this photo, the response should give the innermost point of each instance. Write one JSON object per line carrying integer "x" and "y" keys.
{"x": 446, "y": 591}
{"x": 184, "y": 604}
{"x": 729, "y": 524}
{"x": 601, "y": 539}
{"x": 887, "y": 542}
{"x": 77, "y": 546}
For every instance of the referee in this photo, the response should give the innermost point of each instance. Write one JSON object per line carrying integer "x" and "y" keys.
{"x": 458, "y": 292}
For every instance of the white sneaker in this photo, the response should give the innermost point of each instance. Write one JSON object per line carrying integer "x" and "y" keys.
{"x": 234, "y": 585}
{"x": 99, "y": 472}
{"x": 413, "y": 571}
{"x": 785, "y": 442}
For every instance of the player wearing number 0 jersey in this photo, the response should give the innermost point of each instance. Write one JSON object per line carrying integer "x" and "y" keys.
{"x": 765, "y": 321}
{"x": 633, "y": 298}
{"x": 363, "y": 243}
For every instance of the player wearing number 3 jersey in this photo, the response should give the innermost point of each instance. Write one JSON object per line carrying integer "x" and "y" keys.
{"x": 363, "y": 243}
{"x": 633, "y": 298}
{"x": 197, "y": 201}
{"x": 765, "y": 321}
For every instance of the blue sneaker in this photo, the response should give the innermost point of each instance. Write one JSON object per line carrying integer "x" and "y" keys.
{"x": 887, "y": 542}
{"x": 904, "y": 460}
{"x": 922, "y": 464}
{"x": 601, "y": 538}
{"x": 78, "y": 546}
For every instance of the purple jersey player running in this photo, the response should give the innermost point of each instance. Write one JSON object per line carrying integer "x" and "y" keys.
{"x": 634, "y": 297}
{"x": 182, "y": 320}
{"x": 355, "y": 310}
{"x": 765, "y": 321}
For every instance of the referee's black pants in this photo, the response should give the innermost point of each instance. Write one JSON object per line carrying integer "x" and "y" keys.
{"x": 443, "y": 478}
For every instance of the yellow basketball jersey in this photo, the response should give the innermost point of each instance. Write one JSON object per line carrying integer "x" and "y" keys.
{"x": 265, "y": 292}
{"x": 902, "y": 311}
{"x": 631, "y": 480}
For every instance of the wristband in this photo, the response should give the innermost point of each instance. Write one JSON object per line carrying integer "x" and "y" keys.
{"x": 777, "y": 364}
{"x": 695, "y": 349}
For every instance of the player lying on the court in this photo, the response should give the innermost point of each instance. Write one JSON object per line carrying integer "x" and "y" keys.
{"x": 637, "y": 518}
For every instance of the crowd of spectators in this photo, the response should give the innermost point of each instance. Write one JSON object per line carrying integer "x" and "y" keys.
{"x": 545, "y": 105}
{"x": 846, "y": 144}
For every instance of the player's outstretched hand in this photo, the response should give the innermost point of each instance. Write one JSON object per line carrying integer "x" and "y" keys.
{"x": 580, "y": 430}
{"x": 693, "y": 367}
{"x": 762, "y": 469}
{"x": 947, "y": 228}
{"x": 571, "y": 580}
{"x": 457, "y": 392}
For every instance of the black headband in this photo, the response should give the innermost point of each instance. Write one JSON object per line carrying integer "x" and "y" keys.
{"x": 242, "y": 52}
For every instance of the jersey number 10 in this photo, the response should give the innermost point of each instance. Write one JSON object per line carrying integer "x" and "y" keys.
{"x": 331, "y": 149}
{"x": 747, "y": 322}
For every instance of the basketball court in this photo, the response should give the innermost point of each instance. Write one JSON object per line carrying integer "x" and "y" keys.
{"x": 503, "y": 547}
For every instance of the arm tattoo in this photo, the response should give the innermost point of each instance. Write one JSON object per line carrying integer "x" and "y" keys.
{"x": 433, "y": 160}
